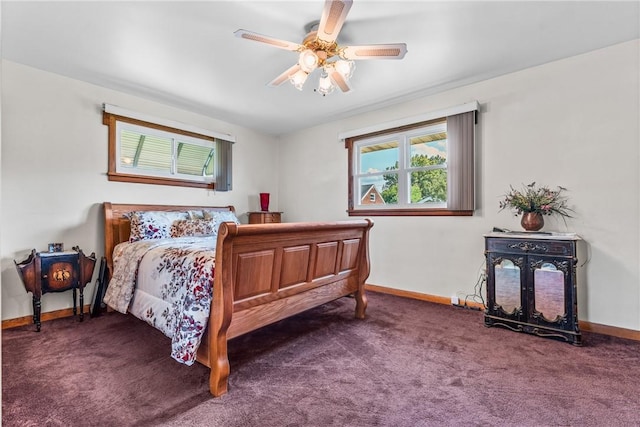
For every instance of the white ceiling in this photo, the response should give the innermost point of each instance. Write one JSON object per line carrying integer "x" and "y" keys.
{"x": 184, "y": 54}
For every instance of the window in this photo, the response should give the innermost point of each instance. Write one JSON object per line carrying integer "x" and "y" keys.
{"x": 424, "y": 168}
{"x": 152, "y": 153}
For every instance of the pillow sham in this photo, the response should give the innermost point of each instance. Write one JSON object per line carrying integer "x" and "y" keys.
{"x": 195, "y": 214}
{"x": 220, "y": 216}
{"x": 147, "y": 225}
{"x": 194, "y": 228}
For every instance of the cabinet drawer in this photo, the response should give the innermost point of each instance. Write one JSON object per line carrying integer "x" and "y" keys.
{"x": 264, "y": 217}
{"x": 271, "y": 217}
{"x": 532, "y": 246}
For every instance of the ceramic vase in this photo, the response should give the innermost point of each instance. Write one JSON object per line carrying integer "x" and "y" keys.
{"x": 264, "y": 201}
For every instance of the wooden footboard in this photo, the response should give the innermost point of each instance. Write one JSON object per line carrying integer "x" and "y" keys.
{"x": 265, "y": 273}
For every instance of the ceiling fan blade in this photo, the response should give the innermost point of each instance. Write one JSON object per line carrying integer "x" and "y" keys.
{"x": 284, "y": 76}
{"x": 339, "y": 80}
{"x": 332, "y": 19}
{"x": 375, "y": 51}
{"x": 281, "y": 44}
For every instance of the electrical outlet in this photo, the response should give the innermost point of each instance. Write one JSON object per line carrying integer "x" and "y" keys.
{"x": 455, "y": 300}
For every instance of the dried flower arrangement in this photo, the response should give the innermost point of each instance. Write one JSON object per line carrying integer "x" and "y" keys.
{"x": 542, "y": 200}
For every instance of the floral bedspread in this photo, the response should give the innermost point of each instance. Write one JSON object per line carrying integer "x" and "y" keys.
{"x": 181, "y": 271}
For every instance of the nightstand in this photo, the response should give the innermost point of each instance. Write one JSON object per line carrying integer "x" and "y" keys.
{"x": 263, "y": 217}
{"x": 44, "y": 272}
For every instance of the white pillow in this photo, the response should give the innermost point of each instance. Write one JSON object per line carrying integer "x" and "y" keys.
{"x": 220, "y": 216}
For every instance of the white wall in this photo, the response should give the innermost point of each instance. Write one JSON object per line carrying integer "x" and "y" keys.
{"x": 54, "y": 163}
{"x": 573, "y": 122}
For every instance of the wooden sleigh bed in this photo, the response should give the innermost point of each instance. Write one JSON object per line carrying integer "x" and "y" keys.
{"x": 265, "y": 273}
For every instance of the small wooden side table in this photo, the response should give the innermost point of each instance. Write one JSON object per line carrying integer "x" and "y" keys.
{"x": 264, "y": 217}
{"x": 44, "y": 272}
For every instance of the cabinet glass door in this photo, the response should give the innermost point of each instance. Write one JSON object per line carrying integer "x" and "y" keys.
{"x": 549, "y": 296}
{"x": 507, "y": 286}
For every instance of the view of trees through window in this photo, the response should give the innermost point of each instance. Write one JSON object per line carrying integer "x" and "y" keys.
{"x": 425, "y": 185}
{"x": 406, "y": 169}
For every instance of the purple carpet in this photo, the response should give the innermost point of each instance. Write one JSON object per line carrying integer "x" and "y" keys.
{"x": 410, "y": 363}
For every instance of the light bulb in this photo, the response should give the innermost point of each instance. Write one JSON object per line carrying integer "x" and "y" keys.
{"x": 298, "y": 78}
{"x": 324, "y": 85}
{"x": 308, "y": 60}
{"x": 345, "y": 68}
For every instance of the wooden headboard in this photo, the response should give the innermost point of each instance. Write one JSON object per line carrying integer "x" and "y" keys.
{"x": 117, "y": 226}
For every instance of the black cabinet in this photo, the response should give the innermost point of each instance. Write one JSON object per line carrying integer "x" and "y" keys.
{"x": 532, "y": 284}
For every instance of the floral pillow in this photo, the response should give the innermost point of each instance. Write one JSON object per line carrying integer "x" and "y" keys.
{"x": 194, "y": 227}
{"x": 147, "y": 225}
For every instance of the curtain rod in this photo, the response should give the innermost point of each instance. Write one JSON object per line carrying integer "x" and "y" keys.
{"x": 458, "y": 109}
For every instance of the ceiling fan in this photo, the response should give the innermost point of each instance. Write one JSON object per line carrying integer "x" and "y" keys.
{"x": 320, "y": 50}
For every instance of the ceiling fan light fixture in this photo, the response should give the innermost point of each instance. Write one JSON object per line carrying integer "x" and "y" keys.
{"x": 308, "y": 60}
{"x": 320, "y": 50}
{"x": 345, "y": 67}
{"x": 298, "y": 78}
{"x": 325, "y": 86}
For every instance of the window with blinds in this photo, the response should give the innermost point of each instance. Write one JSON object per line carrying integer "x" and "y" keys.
{"x": 149, "y": 153}
{"x": 425, "y": 168}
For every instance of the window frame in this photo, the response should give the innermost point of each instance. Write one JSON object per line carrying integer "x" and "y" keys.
{"x": 114, "y": 174}
{"x": 351, "y": 144}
